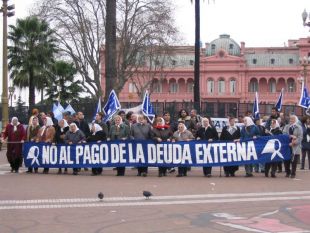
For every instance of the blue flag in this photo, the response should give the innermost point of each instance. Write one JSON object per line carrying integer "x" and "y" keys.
{"x": 279, "y": 102}
{"x": 57, "y": 111}
{"x": 69, "y": 109}
{"x": 147, "y": 108}
{"x": 255, "y": 107}
{"x": 304, "y": 98}
{"x": 98, "y": 109}
{"x": 111, "y": 107}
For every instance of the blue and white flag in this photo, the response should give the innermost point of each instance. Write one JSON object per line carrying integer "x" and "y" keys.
{"x": 304, "y": 98}
{"x": 256, "y": 107}
{"x": 57, "y": 111}
{"x": 278, "y": 105}
{"x": 147, "y": 108}
{"x": 111, "y": 107}
{"x": 98, "y": 109}
{"x": 69, "y": 109}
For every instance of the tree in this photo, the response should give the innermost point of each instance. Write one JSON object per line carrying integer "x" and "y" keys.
{"x": 80, "y": 28}
{"x": 31, "y": 54}
{"x": 62, "y": 86}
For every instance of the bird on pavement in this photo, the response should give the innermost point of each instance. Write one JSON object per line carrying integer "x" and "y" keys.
{"x": 100, "y": 195}
{"x": 147, "y": 194}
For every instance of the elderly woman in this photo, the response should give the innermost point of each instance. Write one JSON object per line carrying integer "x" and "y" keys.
{"x": 15, "y": 135}
{"x": 249, "y": 131}
{"x": 61, "y": 130}
{"x": 274, "y": 130}
{"x": 208, "y": 133}
{"x": 231, "y": 132}
{"x": 294, "y": 130}
{"x": 74, "y": 136}
{"x": 182, "y": 134}
{"x": 97, "y": 135}
{"x": 46, "y": 134}
{"x": 119, "y": 131}
{"x": 32, "y": 133}
{"x": 161, "y": 133}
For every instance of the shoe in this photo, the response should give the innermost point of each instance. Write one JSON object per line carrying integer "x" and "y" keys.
{"x": 75, "y": 173}
{"x": 36, "y": 171}
{"x": 208, "y": 175}
{"x": 273, "y": 175}
{"x": 160, "y": 175}
{"x": 179, "y": 175}
{"x": 65, "y": 172}
{"x": 233, "y": 175}
{"x": 248, "y": 175}
{"x": 59, "y": 172}
{"x": 94, "y": 174}
{"x": 266, "y": 175}
{"x": 226, "y": 175}
{"x": 287, "y": 175}
{"x": 119, "y": 174}
{"x": 28, "y": 171}
{"x": 144, "y": 174}
{"x": 292, "y": 176}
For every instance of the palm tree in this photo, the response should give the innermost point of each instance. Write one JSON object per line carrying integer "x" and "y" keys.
{"x": 31, "y": 54}
{"x": 62, "y": 86}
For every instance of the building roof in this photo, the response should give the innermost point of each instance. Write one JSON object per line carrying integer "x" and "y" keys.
{"x": 223, "y": 43}
{"x": 272, "y": 59}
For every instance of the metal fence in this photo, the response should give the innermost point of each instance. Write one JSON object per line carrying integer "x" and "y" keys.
{"x": 213, "y": 109}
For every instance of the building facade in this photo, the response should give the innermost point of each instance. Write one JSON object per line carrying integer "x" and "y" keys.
{"x": 230, "y": 74}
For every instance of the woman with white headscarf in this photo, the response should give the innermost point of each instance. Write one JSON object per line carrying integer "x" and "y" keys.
{"x": 294, "y": 130}
{"x": 249, "y": 131}
{"x": 46, "y": 134}
{"x": 274, "y": 130}
{"x": 97, "y": 135}
{"x": 182, "y": 134}
{"x": 61, "y": 130}
{"x": 15, "y": 135}
{"x": 74, "y": 136}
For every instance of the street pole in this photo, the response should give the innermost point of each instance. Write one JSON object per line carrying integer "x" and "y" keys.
{"x": 197, "y": 57}
{"x": 4, "y": 98}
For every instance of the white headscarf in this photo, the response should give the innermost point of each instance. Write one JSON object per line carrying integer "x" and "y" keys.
{"x": 248, "y": 121}
{"x": 76, "y": 128}
{"x": 97, "y": 128}
{"x": 49, "y": 122}
{"x": 277, "y": 125}
{"x": 15, "y": 126}
{"x": 65, "y": 124}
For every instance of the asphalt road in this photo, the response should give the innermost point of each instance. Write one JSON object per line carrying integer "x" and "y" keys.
{"x": 66, "y": 203}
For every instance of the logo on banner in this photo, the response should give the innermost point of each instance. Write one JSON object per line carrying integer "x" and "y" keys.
{"x": 273, "y": 146}
{"x": 33, "y": 154}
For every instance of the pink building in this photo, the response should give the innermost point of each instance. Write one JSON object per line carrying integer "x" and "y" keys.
{"x": 230, "y": 74}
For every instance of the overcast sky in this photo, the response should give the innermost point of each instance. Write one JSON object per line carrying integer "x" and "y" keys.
{"x": 258, "y": 23}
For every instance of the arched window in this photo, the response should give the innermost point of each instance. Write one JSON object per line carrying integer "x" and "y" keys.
{"x": 253, "y": 87}
{"x": 190, "y": 87}
{"x": 173, "y": 87}
{"x": 221, "y": 86}
{"x": 210, "y": 86}
{"x": 232, "y": 86}
{"x": 157, "y": 87}
{"x": 291, "y": 87}
{"x": 132, "y": 88}
{"x": 272, "y": 86}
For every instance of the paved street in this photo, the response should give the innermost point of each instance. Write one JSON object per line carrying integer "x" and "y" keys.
{"x": 66, "y": 203}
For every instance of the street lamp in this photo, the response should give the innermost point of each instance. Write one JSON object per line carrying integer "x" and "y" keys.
{"x": 304, "y": 62}
{"x": 7, "y": 11}
{"x": 304, "y": 16}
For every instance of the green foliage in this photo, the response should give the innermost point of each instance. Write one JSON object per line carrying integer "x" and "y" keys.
{"x": 62, "y": 86}
{"x": 31, "y": 54}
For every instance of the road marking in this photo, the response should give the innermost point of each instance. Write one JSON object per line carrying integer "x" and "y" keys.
{"x": 197, "y": 196}
{"x": 139, "y": 201}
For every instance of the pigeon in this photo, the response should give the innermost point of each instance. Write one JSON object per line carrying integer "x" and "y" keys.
{"x": 100, "y": 195}
{"x": 147, "y": 194}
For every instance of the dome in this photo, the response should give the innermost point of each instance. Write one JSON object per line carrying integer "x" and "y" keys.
{"x": 223, "y": 43}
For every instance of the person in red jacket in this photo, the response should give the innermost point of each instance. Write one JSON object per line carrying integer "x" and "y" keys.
{"x": 15, "y": 134}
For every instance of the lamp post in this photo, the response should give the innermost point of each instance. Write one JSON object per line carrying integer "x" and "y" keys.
{"x": 304, "y": 62}
{"x": 304, "y": 16}
{"x": 7, "y": 12}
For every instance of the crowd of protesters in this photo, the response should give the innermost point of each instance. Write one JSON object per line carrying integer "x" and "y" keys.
{"x": 73, "y": 129}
